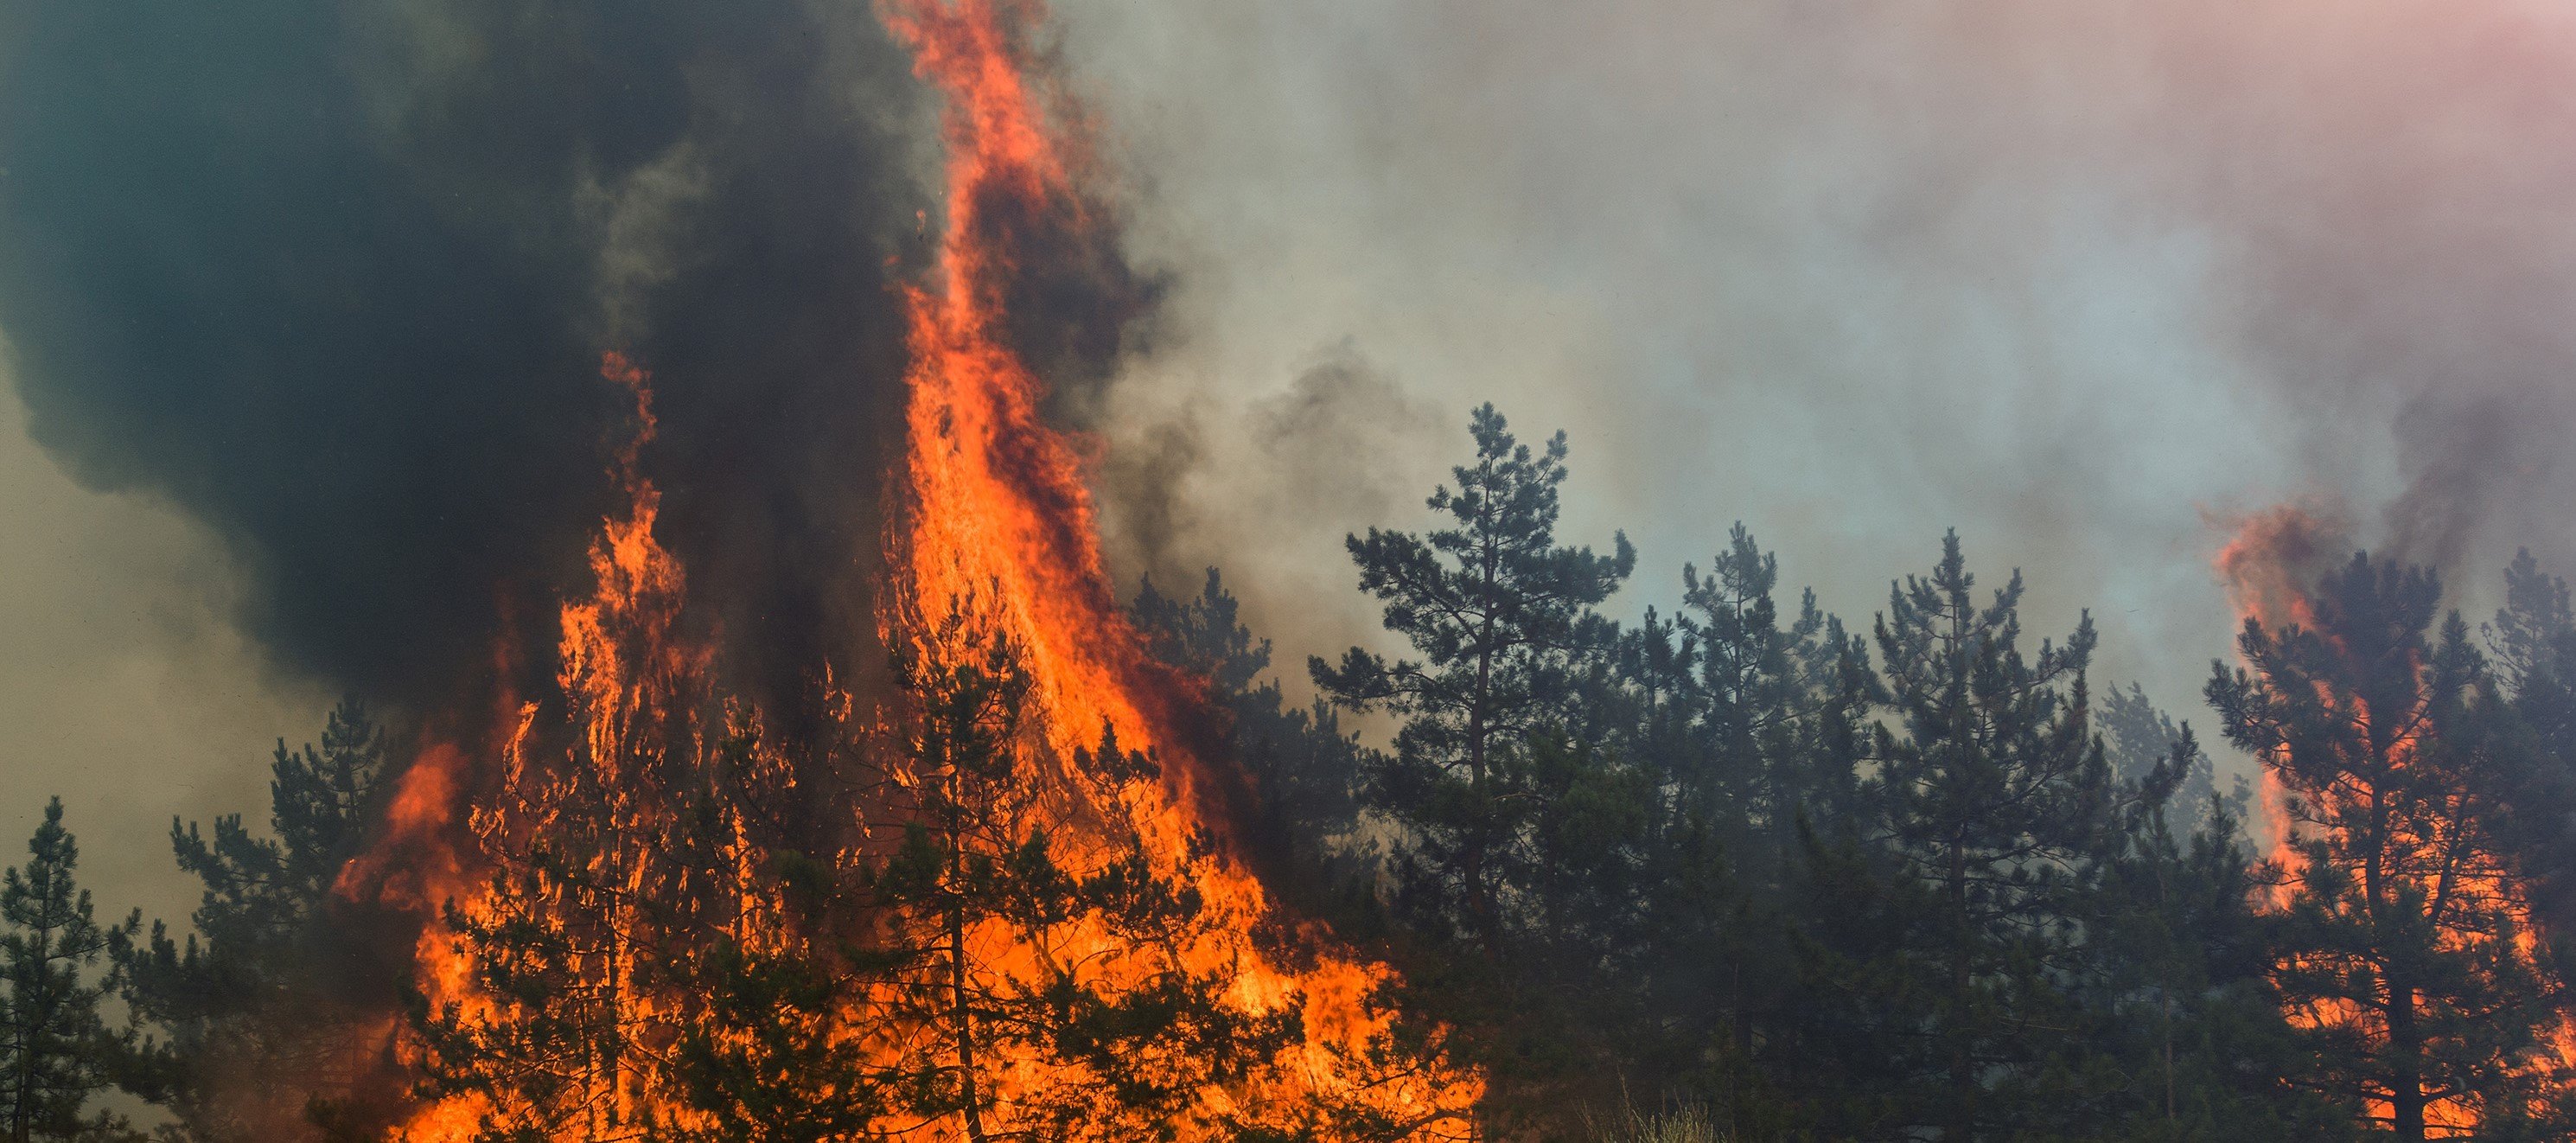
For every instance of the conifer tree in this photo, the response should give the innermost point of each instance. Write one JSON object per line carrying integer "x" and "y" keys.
{"x": 571, "y": 956}
{"x": 1499, "y": 611}
{"x": 1751, "y": 689}
{"x": 2181, "y": 1035}
{"x": 2532, "y": 642}
{"x": 255, "y": 990}
{"x": 550, "y": 951}
{"x": 1947, "y": 935}
{"x": 1127, "y": 1036}
{"x": 1780, "y": 740}
{"x": 775, "y": 1052}
{"x": 57, "y": 1054}
{"x": 1304, "y": 767}
{"x": 633, "y": 977}
{"x": 2401, "y": 948}
{"x": 2140, "y": 736}
{"x": 1725, "y": 728}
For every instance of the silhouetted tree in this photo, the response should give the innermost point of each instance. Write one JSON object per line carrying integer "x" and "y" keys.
{"x": 2532, "y": 642}
{"x": 2183, "y": 1038}
{"x": 57, "y": 1054}
{"x": 2401, "y": 947}
{"x": 1498, "y": 610}
{"x": 2141, "y": 737}
{"x": 258, "y": 990}
{"x": 1945, "y": 944}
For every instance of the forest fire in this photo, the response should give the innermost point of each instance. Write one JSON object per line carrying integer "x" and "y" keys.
{"x": 2419, "y": 944}
{"x": 643, "y": 843}
{"x": 999, "y": 531}
{"x": 963, "y": 571}
{"x": 2270, "y": 561}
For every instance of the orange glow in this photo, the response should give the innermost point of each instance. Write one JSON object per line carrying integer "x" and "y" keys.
{"x": 2271, "y": 557}
{"x": 1000, "y": 522}
{"x": 991, "y": 518}
{"x": 2436, "y": 854}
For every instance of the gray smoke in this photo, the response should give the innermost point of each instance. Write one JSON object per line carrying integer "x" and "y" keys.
{"x": 2073, "y": 278}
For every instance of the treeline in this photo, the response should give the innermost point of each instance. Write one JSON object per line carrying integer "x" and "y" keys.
{"x": 1927, "y": 881}
{"x": 1780, "y": 877}
{"x": 236, "y": 1025}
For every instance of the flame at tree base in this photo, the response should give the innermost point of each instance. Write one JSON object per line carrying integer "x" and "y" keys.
{"x": 2414, "y": 962}
{"x": 1000, "y": 525}
{"x": 644, "y": 849}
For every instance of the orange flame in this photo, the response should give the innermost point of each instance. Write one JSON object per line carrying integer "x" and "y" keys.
{"x": 2269, "y": 560}
{"x": 994, "y": 518}
{"x": 2273, "y": 555}
{"x": 1000, "y": 516}
{"x": 2269, "y": 565}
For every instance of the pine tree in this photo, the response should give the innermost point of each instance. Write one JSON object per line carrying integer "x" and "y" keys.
{"x": 778, "y": 1044}
{"x": 571, "y": 959}
{"x": 56, "y": 1052}
{"x": 2402, "y": 948}
{"x": 1014, "y": 953}
{"x": 1743, "y": 727}
{"x": 2182, "y": 1038}
{"x": 255, "y": 991}
{"x": 1498, "y": 611}
{"x": 1305, "y": 768}
{"x": 1780, "y": 707}
{"x": 1751, "y": 689}
{"x": 2532, "y": 642}
{"x": 773, "y": 1056}
{"x": 545, "y": 1050}
{"x": 2141, "y": 737}
{"x": 659, "y": 964}
{"x": 1945, "y": 943}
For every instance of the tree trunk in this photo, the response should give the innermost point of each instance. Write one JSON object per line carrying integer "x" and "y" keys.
{"x": 32, "y": 1014}
{"x": 1962, "y": 1115}
{"x": 961, "y": 1014}
{"x": 2406, "y": 1069}
{"x": 1480, "y": 904}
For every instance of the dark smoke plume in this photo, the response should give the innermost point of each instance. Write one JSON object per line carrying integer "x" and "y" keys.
{"x": 336, "y": 278}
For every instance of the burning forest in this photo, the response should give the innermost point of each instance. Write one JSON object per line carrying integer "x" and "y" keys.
{"x": 776, "y": 487}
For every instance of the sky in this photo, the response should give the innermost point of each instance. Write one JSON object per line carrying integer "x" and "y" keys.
{"x": 2081, "y": 281}
{"x": 128, "y": 688}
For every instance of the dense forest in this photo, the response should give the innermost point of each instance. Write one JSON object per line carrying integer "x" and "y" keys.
{"x": 1741, "y": 872}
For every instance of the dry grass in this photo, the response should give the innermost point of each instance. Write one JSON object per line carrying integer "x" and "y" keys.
{"x": 1686, "y": 1125}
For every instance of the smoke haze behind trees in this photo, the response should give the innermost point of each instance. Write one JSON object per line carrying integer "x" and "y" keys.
{"x": 2073, "y": 278}
{"x": 2062, "y": 277}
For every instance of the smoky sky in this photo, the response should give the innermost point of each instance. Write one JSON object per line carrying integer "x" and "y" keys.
{"x": 2079, "y": 279}
{"x": 336, "y": 278}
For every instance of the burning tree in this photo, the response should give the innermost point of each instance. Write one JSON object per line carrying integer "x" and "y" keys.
{"x": 996, "y": 902}
{"x": 2405, "y": 950}
{"x": 1044, "y": 982}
